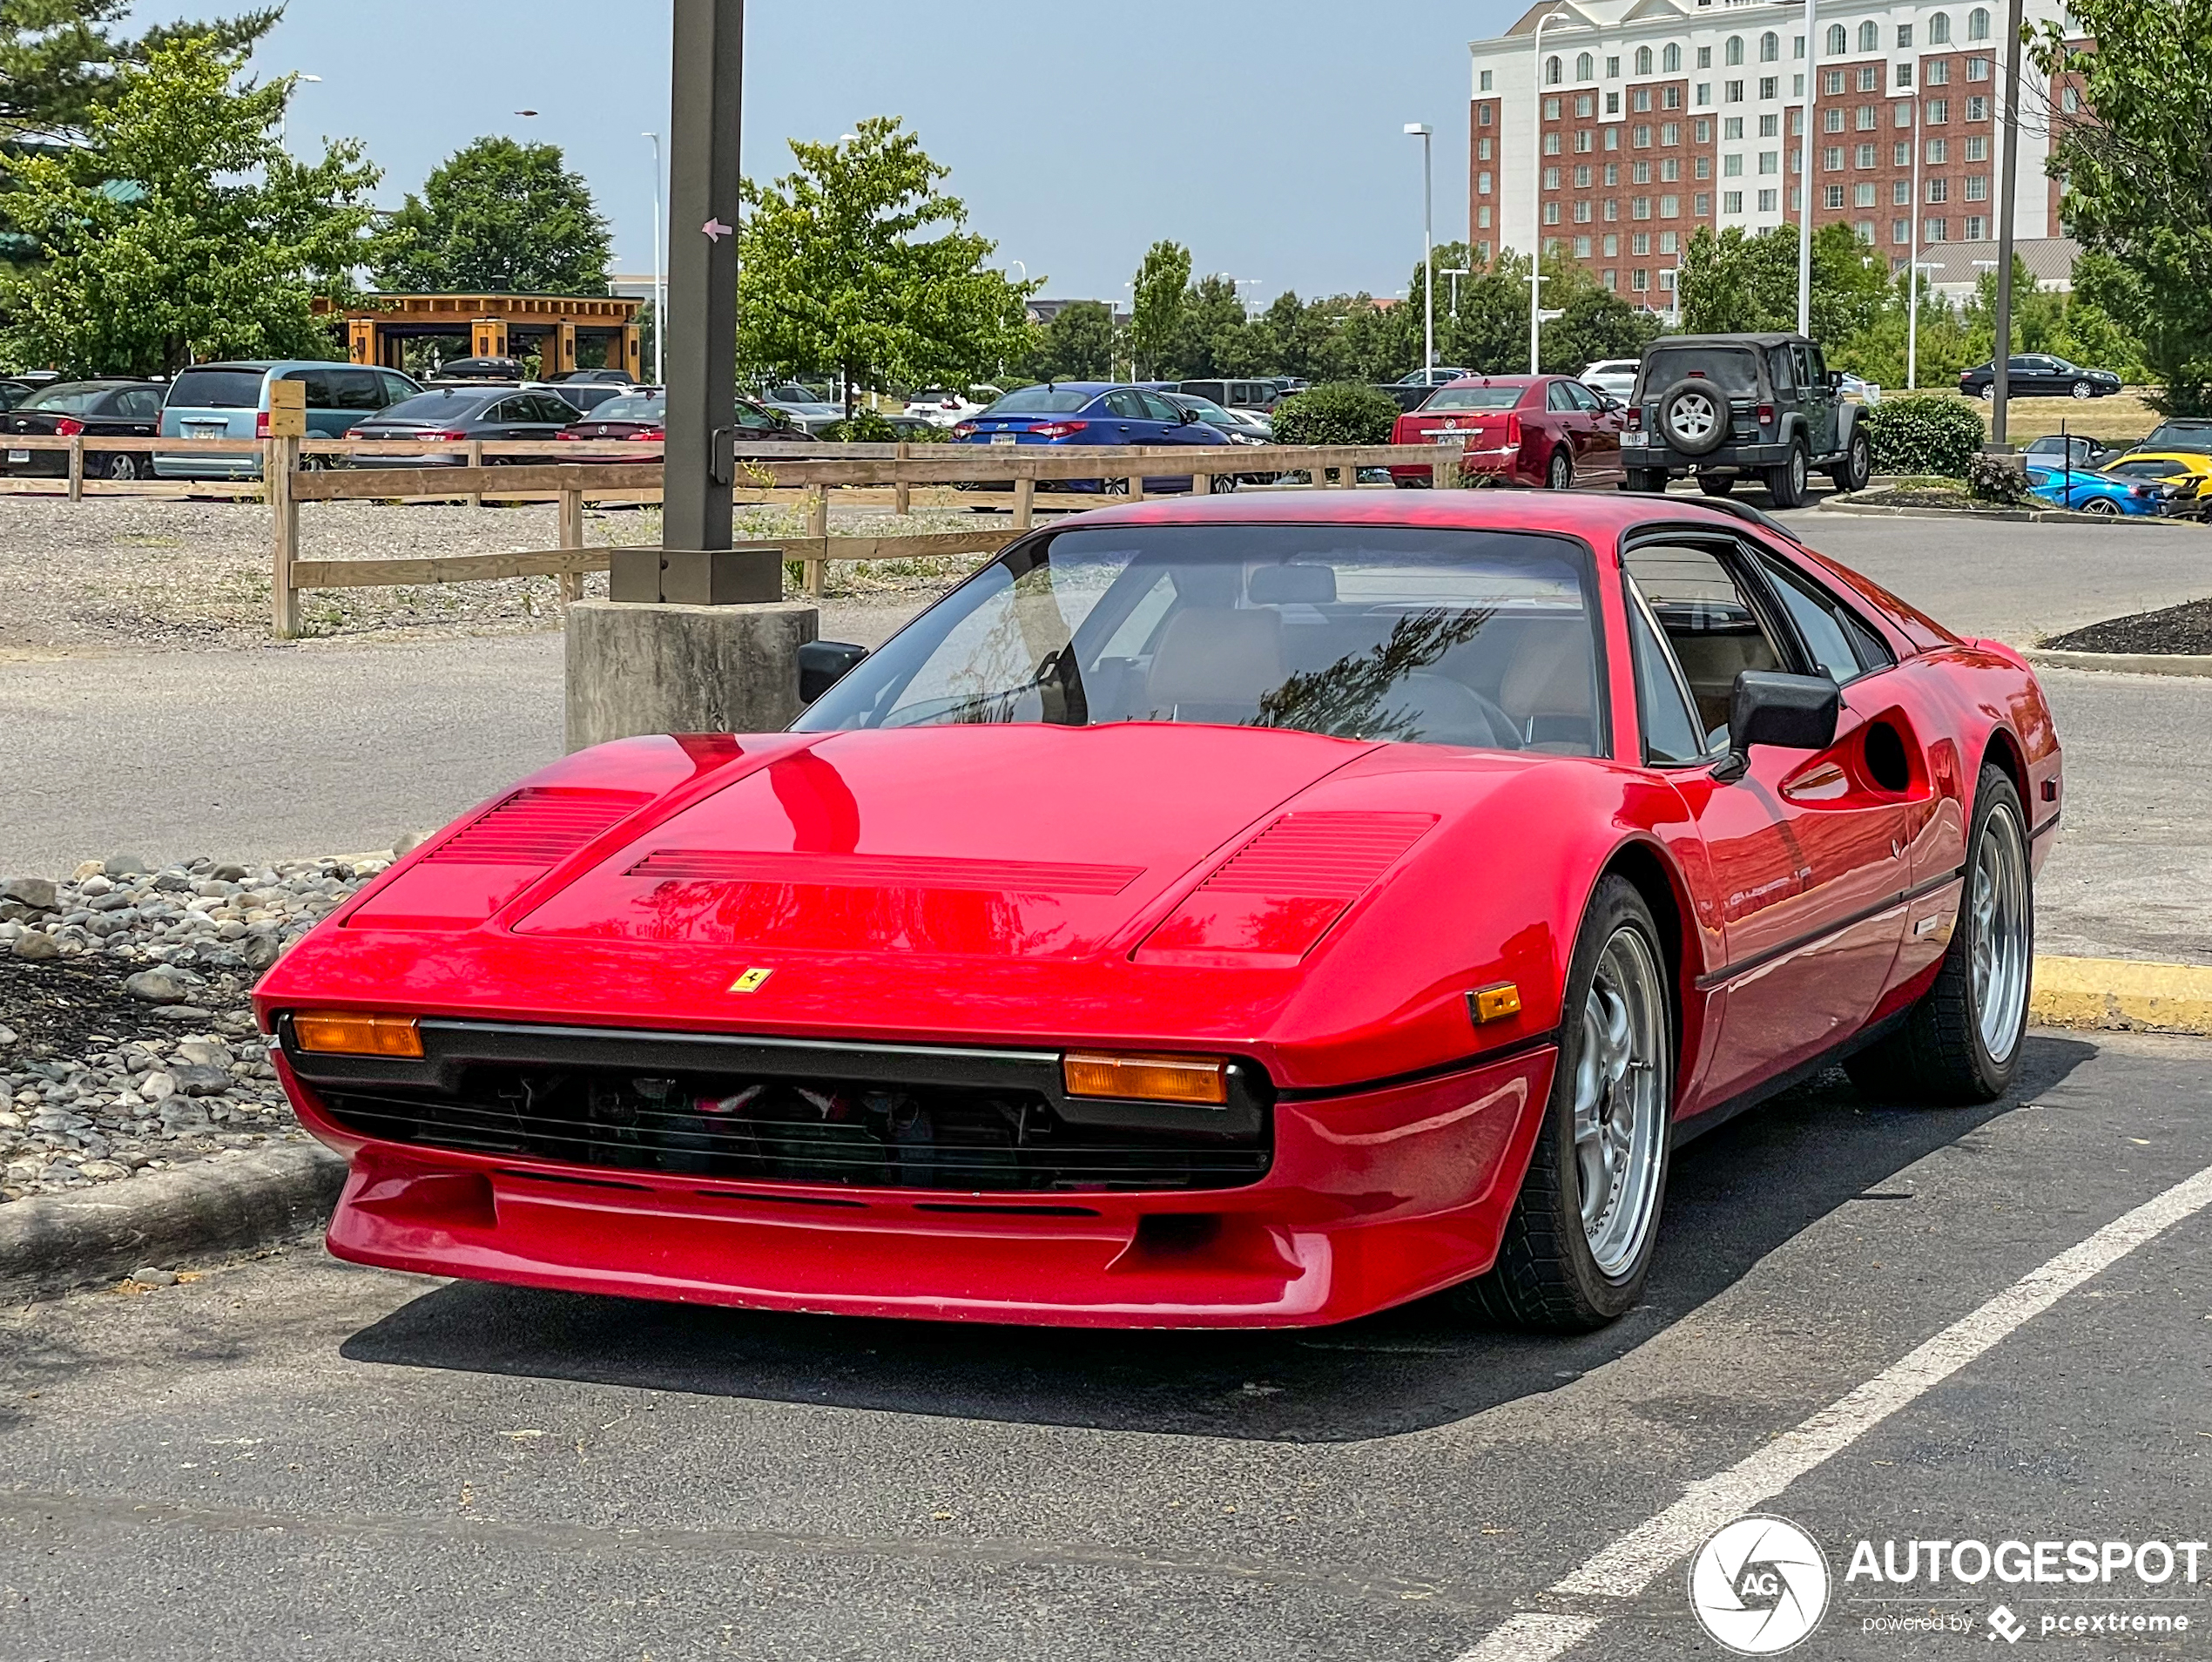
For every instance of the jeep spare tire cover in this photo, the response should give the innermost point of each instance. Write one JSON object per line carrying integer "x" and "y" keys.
{"x": 1693, "y": 416}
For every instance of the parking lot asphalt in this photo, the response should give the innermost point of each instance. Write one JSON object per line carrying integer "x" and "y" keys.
{"x": 344, "y": 1462}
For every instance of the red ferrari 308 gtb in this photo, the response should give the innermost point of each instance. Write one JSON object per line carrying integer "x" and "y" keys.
{"x": 1227, "y": 912}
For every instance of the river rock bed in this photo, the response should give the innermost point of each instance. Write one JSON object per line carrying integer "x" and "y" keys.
{"x": 127, "y": 1040}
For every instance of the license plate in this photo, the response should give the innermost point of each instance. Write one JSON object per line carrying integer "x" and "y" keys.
{"x": 206, "y": 429}
{"x": 1002, "y": 438}
{"x": 18, "y": 456}
{"x": 1455, "y": 437}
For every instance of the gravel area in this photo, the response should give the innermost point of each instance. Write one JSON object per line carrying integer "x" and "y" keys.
{"x": 2185, "y": 628}
{"x": 134, "y": 574}
{"x": 126, "y": 1041}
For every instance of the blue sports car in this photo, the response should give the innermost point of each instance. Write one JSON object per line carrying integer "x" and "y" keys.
{"x": 1088, "y": 413}
{"x": 2091, "y": 492}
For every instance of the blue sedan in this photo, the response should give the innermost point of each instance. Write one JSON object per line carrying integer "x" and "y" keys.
{"x": 2090, "y": 492}
{"x": 1090, "y": 413}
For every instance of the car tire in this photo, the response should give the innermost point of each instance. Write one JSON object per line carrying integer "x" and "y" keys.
{"x": 2082, "y": 389}
{"x": 1717, "y": 484}
{"x": 1650, "y": 482}
{"x": 1410, "y": 484}
{"x": 1989, "y": 393}
{"x": 1693, "y": 416}
{"x": 2103, "y": 507}
{"x": 1786, "y": 484}
{"x": 123, "y": 466}
{"x": 1224, "y": 482}
{"x": 1558, "y": 1267}
{"x": 1857, "y": 467}
{"x": 1961, "y": 1041}
{"x": 1559, "y": 472}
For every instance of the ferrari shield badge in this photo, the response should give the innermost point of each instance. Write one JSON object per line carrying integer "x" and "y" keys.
{"x": 751, "y": 980}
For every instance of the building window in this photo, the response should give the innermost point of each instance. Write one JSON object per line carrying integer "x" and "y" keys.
{"x": 1670, "y": 98}
{"x": 1582, "y": 212}
{"x": 1939, "y": 190}
{"x": 1551, "y": 109}
{"x": 1640, "y": 208}
{"x": 1767, "y": 199}
{"x": 1612, "y": 69}
{"x": 1870, "y": 78}
{"x": 1905, "y": 38}
{"x": 1978, "y": 109}
{"x": 1671, "y": 133}
{"x": 1611, "y": 209}
{"x": 1831, "y": 119}
{"x": 1978, "y": 70}
{"x": 1483, "y": 183}
{"x": 1612, "y": 173}
{"x": 1769, "y": 87}
{"x": 1832, "y": 81}
{"x": 1640, "y": 100}
{"x": 1732, "y": 92}
{"x": 1644, "y": 60}
{"x": 1732, "y": 166}
{"x": 1977, "y": 188}
{"x": 1735, "y": 53}
{"x": 1838, "y": 41}
{"x": 1861, "y": 194}
{"x": 1613, "y": 137}
{"x": 1902, "y": 113}
{"x": 1582, "y": 176}
{"x": 1671, "y": 60}
{"x": 1905, "y": 74}
{"x": 1551, "y": 214}
{"x": 1613, "y": 103}
{"x": 1832, "y": 196}
{"x": 1482, "y": 248}
{"x": 1864, "y": 229}
{"x": 1732, "y": 201}
{"x": 1770, "y": 126}
{"x": 1551, "y": 179}
{"x": 1701, "y": 204}
{"x": 1938, "y": 72}
{"x": 1731, "y": 127}
{"x": 1938, "y": 151}
{"x": 1551, "y": 144}
{"x": 1869, "y": 37}
{"x": 1977, "y": 228}
{"x": 1702, "y": 131}
{"x": 1868, "y": 115}
{"x": 1937, "y": 112}
{"x": 1977, "y": 147}
{"x": 1642, "y": 135}
{"x": 1901, "y": 155}
{"x": 1831, "y": 159}
{"x": 1770, "y": 161}
{"x": 1978, "y": 24}
{"x": 1939, "y": 29}
{"x": 1640, "y": 279}
{"x": 1670, "y": 208}
{"x": 1667, "y": 279}
{"x": 1703, "y": 168}
{"x": 1482, "y": 223}
{"x": 1935, "y": 230}
{"x": 1864, "y": 157}
{"x": 1704, "y": 58}
{"x": 1486, "y": 87}
{"x": 1612, "y": 244}
{"x": 1901, "y": 231}
{"x": 1585, "y": 67}
{"x": 1670, "y": 170}
{"x": 1553, "y": 77}
{"x": 1585, "y": 107}
{"x": 1669, "y": 241}
{"x": 1640, "y": 173}
{"x": 1705, "y": 94}
{"x": 1582, "y": 142}
{"x": 1639, "y": 244}
{"x": 1901, "y": 193}
{"x": 1612, "y": 278}
{"x": 1770, "y": 47}
{"x": 1581, "y": 248}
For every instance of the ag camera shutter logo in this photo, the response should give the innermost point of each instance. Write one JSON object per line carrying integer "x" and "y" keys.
{"x": 1759, "y": 1585}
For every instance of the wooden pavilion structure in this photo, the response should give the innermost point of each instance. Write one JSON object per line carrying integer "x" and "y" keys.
{"x": 570, "y": 332}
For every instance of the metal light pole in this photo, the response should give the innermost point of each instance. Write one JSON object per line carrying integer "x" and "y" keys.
{"x": 1455, "y": 273}
{"x": 1805, "y": 170}
{"x": 660, "y": 296}
{"x": 1999, "y": 379}
{"x": 1420, "y": 130}
{"x": 1536, "y": 185}
{"x": 1912, "y": 283}
{"x": 284, "y": 116}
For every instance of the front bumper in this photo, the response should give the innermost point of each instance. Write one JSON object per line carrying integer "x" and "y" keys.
{"x": 1371, "y": 1199}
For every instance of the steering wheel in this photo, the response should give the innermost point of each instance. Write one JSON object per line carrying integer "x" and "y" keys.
{"x": 1450, "y": 712}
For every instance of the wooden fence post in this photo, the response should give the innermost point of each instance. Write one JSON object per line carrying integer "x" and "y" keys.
{"x": 901, "y": 492}
{"x": 475, "y": 460}
{"x": 280, "y": 457}
{"x": 77, "y": 467}
{"x": 1025, "y": 502}
{"x": 571, "y": 582}
{"x": 1136, "y": 487}
{"x": 816, "y": 569}
{"x": 1201, "y": 484}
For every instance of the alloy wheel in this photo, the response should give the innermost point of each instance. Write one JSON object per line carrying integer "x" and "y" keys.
{"x": 1692, "y": 418}
{"x": 1999, "y": 944}
{"x": 1620, "y": 1102}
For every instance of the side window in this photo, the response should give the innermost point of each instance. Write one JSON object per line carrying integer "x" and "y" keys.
{"x": 1781, "y": 364}
{"x": 360, "y": 390}
{"x": 1125, "y": 404}
{"x": 393, "y": 390}
{"x": 141, "y": 403}
{"x": 1582, "y": 397}
{"x": 507, "y": 409}
{"x": 318, "y": 392}
{"x": 1671, "y": 733}
{"x": 751, "y": 420}
{"x": 551, "y": 406}
{"x": 1556, "y": 398}
{"x": 1157, "y": 408}
{"x": 1840, "y": 642}
{"x": 1707, "y": 619}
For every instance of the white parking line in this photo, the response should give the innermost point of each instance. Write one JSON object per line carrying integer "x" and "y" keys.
{"x": 1631, "y": 1564}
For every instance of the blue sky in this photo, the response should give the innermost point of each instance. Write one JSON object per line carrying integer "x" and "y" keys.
{"x": 1266, "y": 137}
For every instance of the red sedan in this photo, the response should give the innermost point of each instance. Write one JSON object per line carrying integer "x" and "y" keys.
{"x": 1223, "y": 912}
{"x": 1547, "y": 430}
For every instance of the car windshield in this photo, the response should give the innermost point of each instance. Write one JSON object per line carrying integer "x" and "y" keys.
{"x": 66, "y": 401}
{"x": 1204, "y": 409}
{"x": 1476, "y": 398}
{"x": 446, "y": 404}
{"x": 632, "y": 408}
{"x": 1040, "y": 401}
{"x": 1430, "y": 636}
{"x": 1735, "y": 370}
{"x": 216, "y": 389}
{"x": 2180, "y": 436}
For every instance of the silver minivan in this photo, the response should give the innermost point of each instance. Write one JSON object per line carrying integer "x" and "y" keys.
{"x": 231, "y": 400}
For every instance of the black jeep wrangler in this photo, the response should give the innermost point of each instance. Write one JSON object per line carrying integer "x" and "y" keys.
{"x": 1720, "y": 407}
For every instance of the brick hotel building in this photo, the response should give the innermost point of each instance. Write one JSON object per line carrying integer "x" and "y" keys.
{"x": 1661, "y": 116}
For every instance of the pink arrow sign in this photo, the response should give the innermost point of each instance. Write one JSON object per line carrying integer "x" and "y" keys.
{"x": 714, "y": 231}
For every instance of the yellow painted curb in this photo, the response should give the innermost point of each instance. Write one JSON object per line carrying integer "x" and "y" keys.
{"x": 2122, "y": 993}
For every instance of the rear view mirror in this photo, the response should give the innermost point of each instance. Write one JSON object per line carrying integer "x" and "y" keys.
{"x": 1308, "y": 586}
{"x": 823, "y": 663}
{"x": 1788, "y": 712}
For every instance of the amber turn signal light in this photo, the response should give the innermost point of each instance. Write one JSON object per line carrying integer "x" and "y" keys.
{"x": 1494, "y": 1003}
{"x": 1200, "y": 1079}
{"x": 340, "y": 1032}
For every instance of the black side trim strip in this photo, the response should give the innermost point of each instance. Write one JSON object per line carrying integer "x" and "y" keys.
{"x": 1713, "y": 978}
{"x": 1480, "y": 1059}
{"x": 1687, "y": 1131}
{"x": 2051, "y": 824}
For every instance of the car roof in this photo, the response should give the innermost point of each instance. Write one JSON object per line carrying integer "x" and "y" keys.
{"x": 1500, "y": 381}
{"x": 1770, "y": 338}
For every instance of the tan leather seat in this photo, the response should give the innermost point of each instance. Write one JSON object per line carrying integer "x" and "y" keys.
{"x": 1547, "y": 687}
{"x": 1215, "y": 664}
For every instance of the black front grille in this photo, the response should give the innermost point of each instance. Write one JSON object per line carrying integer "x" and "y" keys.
{"x": 865, "y": 1134}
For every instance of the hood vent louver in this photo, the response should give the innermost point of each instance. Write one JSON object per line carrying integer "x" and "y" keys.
{"x": 537, "y": 826}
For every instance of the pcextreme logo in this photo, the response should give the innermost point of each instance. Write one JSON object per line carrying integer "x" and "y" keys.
{"x": 1759, "y": 1585}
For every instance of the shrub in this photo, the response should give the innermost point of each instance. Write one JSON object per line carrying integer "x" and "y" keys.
{"x": 1346, "y": 412}
{"x": 863, "y": 426}
{"x": 1929, "y": 433}
{"x": 1996, "y": 478}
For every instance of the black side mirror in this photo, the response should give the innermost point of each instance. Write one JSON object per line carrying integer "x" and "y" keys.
{"x": 1835, "y": 381}
{"x": 823, "y": 663}
{"x": 1788, "y": 712}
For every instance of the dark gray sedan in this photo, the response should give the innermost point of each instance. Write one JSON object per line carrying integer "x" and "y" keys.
{"x": 492, "y": 413}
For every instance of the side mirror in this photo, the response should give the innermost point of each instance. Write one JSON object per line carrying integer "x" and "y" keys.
{"x": 1835, "y": 381}
{"x": 1788, "y": 712}
{"x": 823, "y": 663}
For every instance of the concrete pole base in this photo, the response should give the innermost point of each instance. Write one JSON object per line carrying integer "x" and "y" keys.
{"x": 635, "y": 668}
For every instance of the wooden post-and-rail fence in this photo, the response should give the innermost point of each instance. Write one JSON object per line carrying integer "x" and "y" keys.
{"x": 297, "y": 470}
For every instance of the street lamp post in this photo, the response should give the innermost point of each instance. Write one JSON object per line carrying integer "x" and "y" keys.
{"x": 2000, "y": 380}
{"x": 1804, "y": 171}
{"x": 1913, "y": 282}
{"x": 660, "y": 296}
{"x": 284, "y": 116}
{"x": 1455, "y": 273}
{"x": 1420, "y": 130}
{"x": 1536, "y": 184}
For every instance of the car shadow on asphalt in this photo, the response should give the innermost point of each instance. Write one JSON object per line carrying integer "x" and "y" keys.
{"x": 1736, "y": 1195}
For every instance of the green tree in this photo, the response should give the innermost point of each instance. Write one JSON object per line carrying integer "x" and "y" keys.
{"x": 502, "y": 216}
{"x": 1156, "y": 313}
{"x": 1077, "y": 345}
{"x": 837, "y": 270}
{"x": 216, "y": 244}
{"x": 2137, "y": 174}
{"x": 60, "y": 60}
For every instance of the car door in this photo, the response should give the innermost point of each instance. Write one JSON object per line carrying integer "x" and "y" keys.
{"x": 1809, "y": 867}
{"x": 1817, "y": 398}
{"x": 1600, "y": 458}
{"x": 1568, "y": 421}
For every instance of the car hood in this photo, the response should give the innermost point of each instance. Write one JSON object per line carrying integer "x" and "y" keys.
{"x": 1028, "y": 841}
